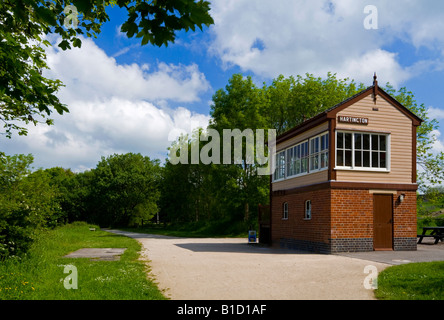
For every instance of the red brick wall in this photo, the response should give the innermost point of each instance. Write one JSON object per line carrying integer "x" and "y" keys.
{"x": 341, "y": 214}
{"x": 317, "y": 229}
{"x": 404, "y": 215}
{"x": 351, "y": 214}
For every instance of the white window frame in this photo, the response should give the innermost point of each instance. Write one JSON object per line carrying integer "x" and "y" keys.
{"x": 319, "y": 153}
{"x": 353, "y": 160}
{"x": 306, "y": 159}
{"x": 300, "y": 160}
{"x": 280, "y": 166}
{"x": 285, "y": 211}
{"x": 307, "y": 211}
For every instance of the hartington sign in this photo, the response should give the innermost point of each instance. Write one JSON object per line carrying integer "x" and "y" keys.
{"x": 352, "y": 120}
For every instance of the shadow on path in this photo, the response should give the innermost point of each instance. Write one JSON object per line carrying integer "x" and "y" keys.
{"x": 238, "y": 248}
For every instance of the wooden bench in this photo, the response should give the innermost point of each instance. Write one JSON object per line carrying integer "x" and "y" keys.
{"x": 437, "y": 233}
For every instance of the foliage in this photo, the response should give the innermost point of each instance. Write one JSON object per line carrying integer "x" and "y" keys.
{"x": 14, "y": 225}
{"x": 292, "y": 100}
{"x": 26, "y": 96}
{"x": 122, "y": 190}
{"x": 77, "y": 201}
{"x": 27, "y": 202}
{"x": 187, "y": 190}
{"x": 412, "y": 281}
{"x": 125, "y": 190}
{"x": 38, "y": 275}
{"x": 157, "y": 21}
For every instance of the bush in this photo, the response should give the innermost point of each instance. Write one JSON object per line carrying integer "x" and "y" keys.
{"x": 15, "y": 236}
{"x": 28, "y": 202}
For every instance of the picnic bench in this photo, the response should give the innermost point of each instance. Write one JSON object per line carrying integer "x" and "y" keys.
{"x": 437, "y": 233}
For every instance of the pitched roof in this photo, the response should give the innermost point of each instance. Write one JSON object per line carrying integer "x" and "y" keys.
{"x": 331, "y": 112}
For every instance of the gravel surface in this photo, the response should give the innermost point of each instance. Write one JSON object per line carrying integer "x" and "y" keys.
{"x": 232, "y": 269}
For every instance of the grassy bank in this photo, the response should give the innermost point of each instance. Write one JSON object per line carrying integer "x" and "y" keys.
{"x": 412, "y": 281}
{"x": 41, "y": 274}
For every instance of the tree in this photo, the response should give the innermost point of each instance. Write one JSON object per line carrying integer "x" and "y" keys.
{"x": 62, "y": 181}
{"x": 15, "y": 227}
{"x": 125, "y": 189}
{"x": 78, "y": 202}
{"x": 242, "y": 105}
{"x": 26, "y": 96}
{"x": 188, "y": 189}
{"x": 292, "y": 100}
{"x": 28, "y": 202}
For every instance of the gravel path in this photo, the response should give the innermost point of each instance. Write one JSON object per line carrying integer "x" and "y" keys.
{"x": 232, "y": 269}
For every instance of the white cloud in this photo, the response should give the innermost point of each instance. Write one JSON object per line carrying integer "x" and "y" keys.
{"x": 318, "y": 36}
{"x": 100, "y": 128}
{"x": 89, "y": 73}
{"x": 380, "y": 61}
{"x": 113, "y": 109}
{"x": 438, "y": 145}
{"x": 435, "y": 113}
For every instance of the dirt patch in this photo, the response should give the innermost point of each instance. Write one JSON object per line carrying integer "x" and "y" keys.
{"x": 102, "y": 254}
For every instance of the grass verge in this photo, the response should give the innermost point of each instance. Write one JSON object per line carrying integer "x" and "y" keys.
{"x": 41, "y": 274}
{"x": 412, "y": 281}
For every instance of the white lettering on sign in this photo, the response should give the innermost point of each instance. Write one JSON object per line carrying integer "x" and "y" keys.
{"x": 355, "y": 120}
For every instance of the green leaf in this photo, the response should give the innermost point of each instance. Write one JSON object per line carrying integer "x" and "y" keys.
{"x": 64, "y": 44}
{"x": 77, "y": 43}
{"x": 130, "y": 28}
{"x": 146, "y": 38}
{"x": 46, "y": 15}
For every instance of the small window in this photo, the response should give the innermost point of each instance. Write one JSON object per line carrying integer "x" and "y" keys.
{"x": 307, "y": 209}
{"x": 285, "y": 211}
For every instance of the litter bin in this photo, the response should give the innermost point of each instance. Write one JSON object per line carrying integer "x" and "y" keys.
{"x": 252, "y": 236}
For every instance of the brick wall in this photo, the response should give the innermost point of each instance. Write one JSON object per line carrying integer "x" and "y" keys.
{"x": 342, "y": 220}
{"x": 352, "y": 219}
{"x": 297, "y": 232}
{"x": 404, "y": 222}
{"x": 351, "y": 214}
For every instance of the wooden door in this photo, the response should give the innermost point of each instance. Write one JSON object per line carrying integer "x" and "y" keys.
{"x": 382, "y": 222}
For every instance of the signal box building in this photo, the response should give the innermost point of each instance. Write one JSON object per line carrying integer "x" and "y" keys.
{"x": 345, "y": 180}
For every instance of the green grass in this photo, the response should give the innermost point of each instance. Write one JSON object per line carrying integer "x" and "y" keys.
{"x": 412, "y": 281}
{"x": 40, "y": 275}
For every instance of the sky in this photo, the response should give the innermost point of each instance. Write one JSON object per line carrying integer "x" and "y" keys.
{"x": 124, "y": 97}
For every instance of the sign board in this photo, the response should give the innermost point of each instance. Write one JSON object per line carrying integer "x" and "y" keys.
{"x": 352, "y": 120}
{"x": 252, "y": 236}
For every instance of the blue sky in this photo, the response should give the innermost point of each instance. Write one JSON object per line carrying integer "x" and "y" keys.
{"x": 127, "y": 98}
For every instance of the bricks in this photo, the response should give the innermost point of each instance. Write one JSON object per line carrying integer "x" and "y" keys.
{"x": 351, "y": 245}
{"x": 342, "y": 220}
